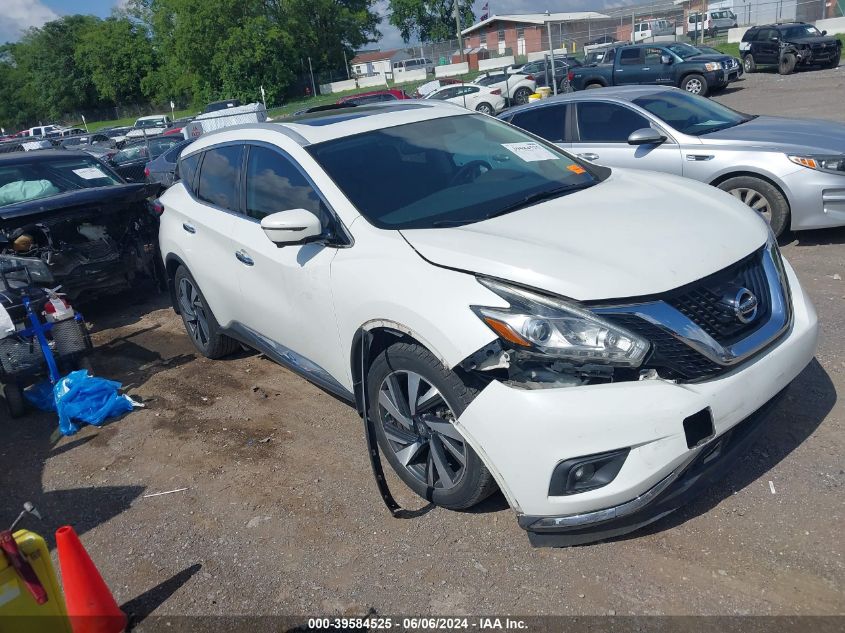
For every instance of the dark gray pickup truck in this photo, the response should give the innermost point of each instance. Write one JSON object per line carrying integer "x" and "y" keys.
{"x": 670, "y": 64}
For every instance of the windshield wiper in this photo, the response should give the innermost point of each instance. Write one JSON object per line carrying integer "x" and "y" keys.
{"x": 534, "y": 198}
{"x": 527, "y": 201}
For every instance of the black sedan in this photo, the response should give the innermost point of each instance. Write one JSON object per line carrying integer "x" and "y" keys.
{"x": 131, "y": 160}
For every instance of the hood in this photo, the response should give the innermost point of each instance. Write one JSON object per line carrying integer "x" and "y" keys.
{"x": 80, "y": 199}
{"x": 709, "y": 57}
{"x": 637, "y": 233}
{"x": 815, "y": 135}
{"x": 815, "y": 39}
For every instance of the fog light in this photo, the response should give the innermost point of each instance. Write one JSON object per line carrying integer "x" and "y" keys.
{"x": 589, "y": 472}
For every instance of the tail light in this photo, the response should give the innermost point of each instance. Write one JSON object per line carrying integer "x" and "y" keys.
{"x": 530, "y": 77}
{"x": 157, "y": 207}
{"x": 570, "y": 75}
{"x": 147, "y": 172}
{"x": 495, "y": 91}
{"x": 50, "y": 306}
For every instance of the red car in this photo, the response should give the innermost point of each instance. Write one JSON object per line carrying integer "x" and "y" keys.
{"x": 376, "y": 96}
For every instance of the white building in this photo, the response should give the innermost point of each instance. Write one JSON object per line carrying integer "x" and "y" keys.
{"x": 377, "y": 62}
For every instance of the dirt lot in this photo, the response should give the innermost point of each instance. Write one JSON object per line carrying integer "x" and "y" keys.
{"x": 281, "y": 515}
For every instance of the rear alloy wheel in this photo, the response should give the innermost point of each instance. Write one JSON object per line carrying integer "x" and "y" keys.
{"x": 762, "y": 197}
{"x": 414, "y": 402}
{"x": 593, "y": 86}
{"x": 695, "y": 84}
{"x": 748, "y": 64}
{"x": 787, "y": 64}
{"x": 199, "y": 321}
{"x": 521, "y": 95}
{"x": 484, "y": 108}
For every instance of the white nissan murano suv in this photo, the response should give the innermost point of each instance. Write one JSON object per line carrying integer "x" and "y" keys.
{"x": 597, "y": 344}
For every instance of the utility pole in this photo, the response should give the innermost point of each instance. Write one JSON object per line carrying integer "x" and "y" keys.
{"x": 457, "y": 8}
{"x": 550, "y": 66}
{"x": 346, "y": 63}
{"x": 311, "y": 71}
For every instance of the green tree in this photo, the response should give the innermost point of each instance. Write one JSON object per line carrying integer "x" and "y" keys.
{"x": 116, "y": 54}
{"x": 47, "y": 57}
{"x": 429, "y": 20}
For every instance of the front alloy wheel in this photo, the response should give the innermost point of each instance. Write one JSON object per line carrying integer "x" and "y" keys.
{"x": 414, "y": 402}
{"x": 417, "y": 421}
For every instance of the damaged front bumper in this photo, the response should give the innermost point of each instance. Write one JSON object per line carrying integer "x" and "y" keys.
{"x": 526, "y": 436}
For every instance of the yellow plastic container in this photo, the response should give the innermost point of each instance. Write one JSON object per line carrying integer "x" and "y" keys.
{"x": 18, "y": 609}
{"x": 534, "y": 97}
{"x": 544, "y": 92}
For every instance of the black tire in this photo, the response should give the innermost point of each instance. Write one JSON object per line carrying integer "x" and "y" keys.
{"x": 520, "y": 96}
{"x": 695, "y": 84}
{"x": 834, "y": 63}
{"x": 475, "y": 483}
{"x": 484, "y": 108}
{"x": 593, "y": 86}
{"x": 748, "y": 64}
{"x": 14, "y": 400}
{"x": 206, "y": 337}
{"x": 778, "y": 206}
{"x": 786, "y": 65}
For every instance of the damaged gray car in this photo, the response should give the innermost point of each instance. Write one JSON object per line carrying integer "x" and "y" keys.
{"x": 74, "y": 223}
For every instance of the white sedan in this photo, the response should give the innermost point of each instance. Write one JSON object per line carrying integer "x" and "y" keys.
{"x": 472, "y": 97}
{"x": 517, "y": 87}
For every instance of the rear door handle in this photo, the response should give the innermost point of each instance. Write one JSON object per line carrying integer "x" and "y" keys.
{"x": 244, "y": 258}
{"x": 589, "y": 156}
{"x": 189, "y": 228}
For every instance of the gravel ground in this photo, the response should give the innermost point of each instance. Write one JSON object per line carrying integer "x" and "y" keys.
{"x": 281, "y": 515}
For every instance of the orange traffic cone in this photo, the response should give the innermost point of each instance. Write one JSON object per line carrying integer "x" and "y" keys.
{"x": 90, "y": 605}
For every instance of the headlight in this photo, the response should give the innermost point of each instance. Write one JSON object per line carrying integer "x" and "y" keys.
{"x": 831, "y": 164}
{"x": 712, "y": 66}
{"x": 555, "y": 328}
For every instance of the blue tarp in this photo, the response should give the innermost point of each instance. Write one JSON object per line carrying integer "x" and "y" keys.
{"x": 80, "y": 398}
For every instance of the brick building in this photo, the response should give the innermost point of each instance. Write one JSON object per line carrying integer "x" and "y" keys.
{"x": 527, "y": 33}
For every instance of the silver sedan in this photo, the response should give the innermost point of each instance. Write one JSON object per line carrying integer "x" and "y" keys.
{"x": 791, "y": 171}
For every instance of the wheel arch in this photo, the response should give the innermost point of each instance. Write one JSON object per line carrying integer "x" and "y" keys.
{"x": 756, "y": 174}
{"x": 383, "y": 334}
{"x": 171, "y": 264}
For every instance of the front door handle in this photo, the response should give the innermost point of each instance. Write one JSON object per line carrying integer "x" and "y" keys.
{"x": 189, "y": 228}
{"x": 244, "y": 258}
{"x": 698, "y": 157}
{"x": 589, "y": 156}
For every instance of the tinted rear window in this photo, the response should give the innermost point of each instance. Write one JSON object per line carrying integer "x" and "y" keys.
{"x": 218, "y": 183}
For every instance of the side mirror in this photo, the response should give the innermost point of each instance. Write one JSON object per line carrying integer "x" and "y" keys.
{"x": 665, "y": 59}
{"x": 824, "y": 32}
{"x": 646, "y": 136}
{"x": 294, "y": 226}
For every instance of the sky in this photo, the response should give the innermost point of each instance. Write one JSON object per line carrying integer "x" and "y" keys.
{"x": 19, "y": 15}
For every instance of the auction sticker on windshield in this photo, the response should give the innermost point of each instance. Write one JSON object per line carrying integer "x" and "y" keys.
{"x": 530, "y": 152}
{"x": 89, "y": 173}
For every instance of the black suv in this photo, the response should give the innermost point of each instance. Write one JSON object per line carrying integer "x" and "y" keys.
{"x": 788, "y": 46}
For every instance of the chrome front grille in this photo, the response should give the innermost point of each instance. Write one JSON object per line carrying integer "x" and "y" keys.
{"x": 697, "y": 333}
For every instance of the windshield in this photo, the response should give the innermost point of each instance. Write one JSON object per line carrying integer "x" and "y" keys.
{"x": 447, "y": 171}
{"x": 44, "y": 178}
{"x": 797, "y": 32}
{"x": 684, "y": 51}
{"x": 143, "y": 123}
{"x": 691, "y": 114}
